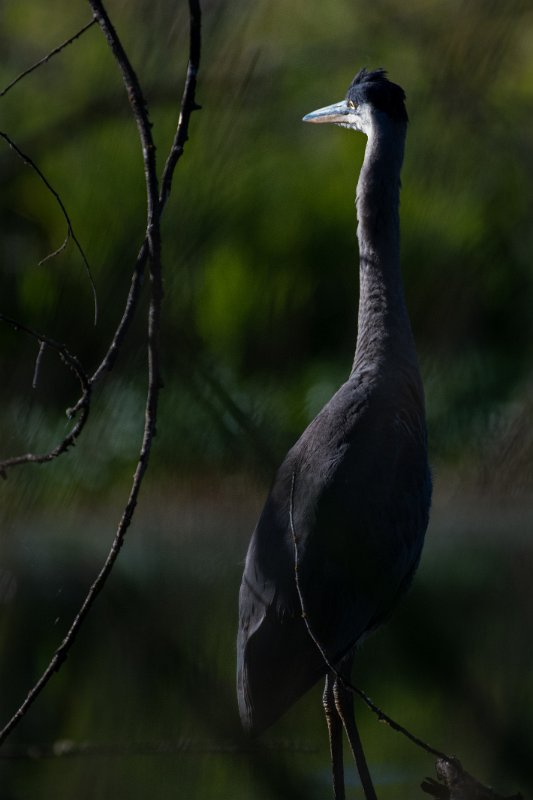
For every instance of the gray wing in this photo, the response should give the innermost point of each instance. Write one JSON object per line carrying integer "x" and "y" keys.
{"x": 276, "y": 660}
{"x": 360, "y": 491}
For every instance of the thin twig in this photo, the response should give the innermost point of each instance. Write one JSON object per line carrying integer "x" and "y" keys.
{"x": 36, "y": 370}
{"x": 47, "y": 58}
{"x": 347, "y": 684}
{"x": 72, "y": 362}
{"x": 132, "y": 299}
{"x": 70, "y": 230}
{"x": 188, "y": 101}
{"x": 57, "y": 252}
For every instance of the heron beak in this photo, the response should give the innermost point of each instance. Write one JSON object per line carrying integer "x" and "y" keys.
{"x": 335, "y": 113}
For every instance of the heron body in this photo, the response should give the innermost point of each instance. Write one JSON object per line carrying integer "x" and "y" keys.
{"x": 350, "y": 502}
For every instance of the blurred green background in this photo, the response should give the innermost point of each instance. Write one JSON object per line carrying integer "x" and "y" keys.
{"x": 258, "y": 331}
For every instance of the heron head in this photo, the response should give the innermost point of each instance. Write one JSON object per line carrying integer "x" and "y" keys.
{"x": 368, "y": 93}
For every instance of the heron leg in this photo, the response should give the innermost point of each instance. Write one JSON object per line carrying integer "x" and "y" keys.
{"x": 335, "y": 737}
{"x": 344, "y": 705}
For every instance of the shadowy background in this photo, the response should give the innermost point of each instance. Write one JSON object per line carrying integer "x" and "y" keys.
{"x": 259, "y": 329}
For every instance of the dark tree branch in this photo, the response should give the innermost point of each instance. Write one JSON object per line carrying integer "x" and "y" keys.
{"x": 188, "y": 105}
{"x": 151, "y": 250}
{"x": 73, "y": 364}
{"x": 70, "y": 230}
{"x": 136, "y": 284}
{"x": 47, "y": 58}
{"x": 188, "y": 102}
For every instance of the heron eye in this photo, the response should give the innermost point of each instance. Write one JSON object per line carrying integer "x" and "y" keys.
{"x": 351, "y": 104}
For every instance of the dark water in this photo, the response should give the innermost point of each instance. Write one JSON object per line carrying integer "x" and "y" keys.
{"x": 145, "y": 707}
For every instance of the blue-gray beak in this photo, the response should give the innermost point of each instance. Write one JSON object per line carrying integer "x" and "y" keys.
{"x": 335, "y": 113}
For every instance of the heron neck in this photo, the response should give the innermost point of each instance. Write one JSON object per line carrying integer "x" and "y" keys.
{"x": 384, "y": 331}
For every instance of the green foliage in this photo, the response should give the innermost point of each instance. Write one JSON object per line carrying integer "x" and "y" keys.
{"x": 260, "y": 254}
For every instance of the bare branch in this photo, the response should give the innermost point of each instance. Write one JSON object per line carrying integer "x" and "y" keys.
{"x": 153, "y": 251}
{"x": 47, "y": 58}
{"x": 73, "y": 364}
{"x": 188, "y": 105}
{"x": 70, "y": 231}
{"x": 188, "y": 101}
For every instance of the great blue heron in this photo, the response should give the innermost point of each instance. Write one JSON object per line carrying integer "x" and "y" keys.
{"x": 342, "y": 529}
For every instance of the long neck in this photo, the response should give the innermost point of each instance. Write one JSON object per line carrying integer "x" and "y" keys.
{"x": 384, "y": 331}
